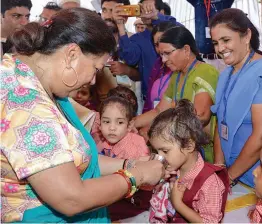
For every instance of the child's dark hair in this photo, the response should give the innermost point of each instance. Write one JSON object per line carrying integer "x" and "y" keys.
{"x": 180, "y": 124}
{"x": 128, "y": 96}
{"x": 124, "y": 104}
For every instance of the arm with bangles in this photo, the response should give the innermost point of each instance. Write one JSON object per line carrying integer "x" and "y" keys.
{"x": 62, "y": 188}
{"x": 250, "y": 153}
{"x": 109, "y": 165}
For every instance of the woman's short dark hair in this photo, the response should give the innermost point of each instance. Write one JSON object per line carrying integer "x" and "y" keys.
{"x": 123, "y": 103}
{"x": 180, "y": 125}
{"x": 162, "y": 27}
{"x": 127, "y": 94}
{"x": 236, "y": 20}
{"x": 77, "y": 25}
{"x": 180, "y": 36}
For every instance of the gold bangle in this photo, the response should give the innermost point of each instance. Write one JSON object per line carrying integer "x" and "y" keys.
{"x": 132, "y": 179}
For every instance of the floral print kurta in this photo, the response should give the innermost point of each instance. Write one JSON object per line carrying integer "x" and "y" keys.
{"x": 34, "y": 136}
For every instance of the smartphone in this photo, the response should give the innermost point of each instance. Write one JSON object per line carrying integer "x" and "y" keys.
{"x": 130, "y": 10}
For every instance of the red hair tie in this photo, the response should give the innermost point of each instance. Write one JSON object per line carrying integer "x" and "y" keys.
{"x": 47, "y": 23}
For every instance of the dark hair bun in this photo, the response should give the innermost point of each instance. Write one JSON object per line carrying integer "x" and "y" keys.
{"x": 76, "y": 25}
{"x": 29, "y": 39}
{"x": 186, "y": 106}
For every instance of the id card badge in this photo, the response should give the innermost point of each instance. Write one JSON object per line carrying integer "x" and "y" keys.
{"x": 208, "y": 32}
{"x": 156, "y": 102}
{"x": 224, "y": 131}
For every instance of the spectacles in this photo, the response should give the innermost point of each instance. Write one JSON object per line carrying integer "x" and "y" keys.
{"x": 167, "y": 54}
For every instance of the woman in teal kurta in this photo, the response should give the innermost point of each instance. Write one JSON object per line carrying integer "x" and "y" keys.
{"x": 50, "y": 169}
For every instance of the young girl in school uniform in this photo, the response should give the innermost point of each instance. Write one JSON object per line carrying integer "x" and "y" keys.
{"x": 197, "y": 191}
{"x": 116, "y": 115}
{"x": 118, "y": 141}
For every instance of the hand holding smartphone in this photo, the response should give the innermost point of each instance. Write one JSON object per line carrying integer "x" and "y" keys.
{"x": 129, "y": 10}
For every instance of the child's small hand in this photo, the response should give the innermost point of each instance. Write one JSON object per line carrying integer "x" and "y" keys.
{"x": 177, "y": 193}
{"x": 169, "y": 172}
{"x": 250, "y": 213}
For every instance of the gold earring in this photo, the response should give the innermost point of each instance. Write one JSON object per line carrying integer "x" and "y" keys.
{"x": 65, "y": 82}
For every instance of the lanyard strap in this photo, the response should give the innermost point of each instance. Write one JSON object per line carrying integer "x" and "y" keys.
{"x": 178, "y": 78}
{"x": 161, "y": 87}
{"x": 233, "y": 84}
{"x": 208, "y": 5}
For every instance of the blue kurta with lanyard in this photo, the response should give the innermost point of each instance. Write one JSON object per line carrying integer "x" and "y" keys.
{"x": 178, "y": 78}
{"x": 224, "y": 126}
{"x": 234, "y": 98}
